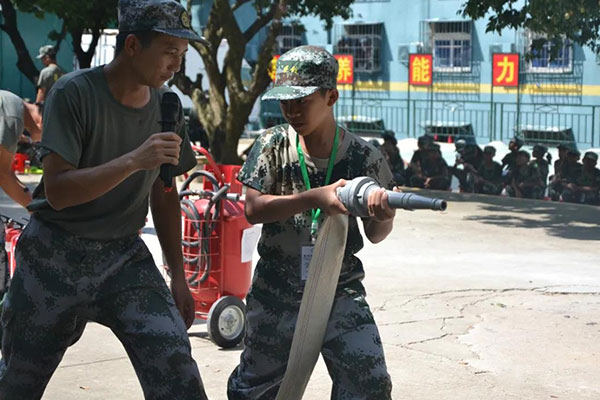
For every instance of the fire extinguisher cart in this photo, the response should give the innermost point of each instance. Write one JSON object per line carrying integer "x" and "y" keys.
{"x": 213, "y": 224}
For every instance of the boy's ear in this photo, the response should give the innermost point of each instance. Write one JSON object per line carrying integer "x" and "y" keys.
{"x": 334, "y": 96}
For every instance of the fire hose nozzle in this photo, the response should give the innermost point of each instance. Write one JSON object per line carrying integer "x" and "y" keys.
{"x": 356, "y": 193}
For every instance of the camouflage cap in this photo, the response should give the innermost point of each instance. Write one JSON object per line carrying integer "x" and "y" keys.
{"x": 47, "y": 50}
{"x": 165, "y": 16}
{"x": 591, "y": 155}
{"x": 540, "y": 148}
{"x": 301, "y": 72}
{"x": 574, "y": 151}
{"x": 517, "y": 141}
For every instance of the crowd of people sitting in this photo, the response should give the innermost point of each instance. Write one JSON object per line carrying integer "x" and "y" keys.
{"x": 519, "y": 174}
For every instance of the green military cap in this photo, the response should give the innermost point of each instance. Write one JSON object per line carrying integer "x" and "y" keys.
{"x": 591, "y": 155}
{"x": 425, "y": 140}
{"x": 540, "y": 148}
{"x": 301, "y": 72}
{"x": 573, "y": 150}
{"x": 47, "y": 50}
{"x": 563, "y": 146}
{"x": 489, "y": 149}
{"x": 164, "y": 16}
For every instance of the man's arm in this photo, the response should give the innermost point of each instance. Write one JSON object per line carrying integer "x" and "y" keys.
{"x": 265, "y": 208}
{"x": 41, "y": 95}
{"x": 67, "y": 186}
{"x": 166, "y": 214}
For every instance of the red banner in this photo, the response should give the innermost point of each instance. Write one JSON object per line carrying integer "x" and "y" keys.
{"x": 420, "y": 72}
{"x": 505, "y": 69}
{"x": 346, "y": 69}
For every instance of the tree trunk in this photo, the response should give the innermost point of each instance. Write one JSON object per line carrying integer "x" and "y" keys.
{"x": 24, "y": 62}
{"x": 84, "y": 58}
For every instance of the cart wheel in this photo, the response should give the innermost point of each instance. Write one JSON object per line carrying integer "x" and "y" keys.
{"x": 226, "y": 322}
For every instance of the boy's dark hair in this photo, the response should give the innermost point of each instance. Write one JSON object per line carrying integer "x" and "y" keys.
{"x": 145, "y": 38}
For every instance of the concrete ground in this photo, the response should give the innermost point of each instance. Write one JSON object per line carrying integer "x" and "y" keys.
{"x": 494, "y": 299}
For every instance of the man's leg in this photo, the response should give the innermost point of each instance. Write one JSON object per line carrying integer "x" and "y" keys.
{"x": 139, "y": 308}
{"x": 269, "y": 332}
{"x": 39, "y": 315}
{"x": 353, "y": 352}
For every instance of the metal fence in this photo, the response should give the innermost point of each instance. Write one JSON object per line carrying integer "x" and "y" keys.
{"x": 488, "y": 121}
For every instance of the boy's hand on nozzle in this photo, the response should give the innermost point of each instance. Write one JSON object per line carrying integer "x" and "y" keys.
{"x": 378, "y": 206}
{"x": 327, "y": 200}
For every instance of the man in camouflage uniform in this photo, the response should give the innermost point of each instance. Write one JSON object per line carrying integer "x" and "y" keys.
{"x": 524, "y": 180}
{"x": 556, "y": 186}
{"x": 49, "y": 74}
{"x": 469, "y": 157}
{"x": 570, "y": 172}
{"x": 509, "y": 161}
{"x": 585, "y": 188}
{"x": 278, "y": 195}
{"x": 488, "y": 179}
{"x": 80, "y": 258}
{"x": 423, "y": 143}
{"x": 433, "y": 173}
{"x": 543, "y": 164}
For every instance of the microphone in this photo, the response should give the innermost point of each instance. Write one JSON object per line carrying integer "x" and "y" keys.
{"x": 169, "y": 112}
{"x": 354, "y": 196}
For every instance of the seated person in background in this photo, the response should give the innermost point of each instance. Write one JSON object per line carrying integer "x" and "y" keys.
{"x": 555, "y": 188}
{"x": 468, "y": 160}
{"x": 509, "y": 160}
{"x": 423, "y": 143}
{"x": 390, "y": 151}
{"x": 524, "y": 180}
{"x": 585, "y": 188}
{"x": 488, "y": 179}
{"x": 542, "y": 163}
{"x": 433, "y": 173}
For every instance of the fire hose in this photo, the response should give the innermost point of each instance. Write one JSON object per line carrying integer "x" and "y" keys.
{"x": 323, "y": 275}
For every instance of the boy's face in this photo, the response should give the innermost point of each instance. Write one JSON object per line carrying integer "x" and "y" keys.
{"x": 306, "y": 114}
{"x": 562, "y": 152}
{"x": 157, "y": 63}
{"x": 521, "y": 160}
{"x": 488, "y": 157}
{"x": 588, "y": 163}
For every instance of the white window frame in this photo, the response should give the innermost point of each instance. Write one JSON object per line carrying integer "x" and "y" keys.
{"x": 453, "y": 38}
{"x": 295, "y": 37}
{"x": 549, "y": 69}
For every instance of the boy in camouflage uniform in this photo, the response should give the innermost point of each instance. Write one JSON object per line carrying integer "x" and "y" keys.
{"x": 524, "y": 180}
{"x": 555, "y": 187}
{"x": 585, "y": 188}
{"x": 543, "y": 164}
{"x": 488, "y": 179}
{"x": 284, "y": 164}
{"x": 434, "y": 173}
{"x": 80, "y": 258}
{"x": 570, "y": 171}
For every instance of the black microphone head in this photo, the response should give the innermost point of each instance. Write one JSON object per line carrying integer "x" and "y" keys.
{"x": 169, "y": 107}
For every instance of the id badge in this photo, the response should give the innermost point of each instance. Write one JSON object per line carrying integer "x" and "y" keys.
{"x": 305, "y": 258}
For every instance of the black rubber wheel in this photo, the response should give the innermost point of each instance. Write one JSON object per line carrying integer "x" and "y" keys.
{"x": 226, "y": 322}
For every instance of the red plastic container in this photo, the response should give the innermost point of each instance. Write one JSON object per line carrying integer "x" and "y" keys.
{"x": 18, "y": 164}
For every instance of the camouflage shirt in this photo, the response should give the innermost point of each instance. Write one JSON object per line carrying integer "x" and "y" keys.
{"x": 571, "y": 171}
{"x": 544, "y": 168}
{"x": 491, "y": 173}
{"x": 529, "y": 173}
{"x": 273, "y": 168}
{"x": 589, "y": 178}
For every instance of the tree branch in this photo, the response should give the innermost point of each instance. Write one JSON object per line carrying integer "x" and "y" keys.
{"x": 261, "y": 22}
{"x": 24, "y": 61}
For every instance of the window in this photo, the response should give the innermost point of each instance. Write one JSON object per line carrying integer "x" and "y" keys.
{"x": 541, "y": 59}
{"x": 289, "y": 38}
{"x": 363, "y": 41}
{"x": 451, "y": 43}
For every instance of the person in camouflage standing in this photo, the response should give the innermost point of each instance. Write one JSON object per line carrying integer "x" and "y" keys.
{"x": 525, "y": 181}
{"x": 80, "y": 258}
{"x": 585, "y": 188}
{"x": 49, "y": 74}
{"x": 292, "y": 171}
{"x": 488, "y": 179}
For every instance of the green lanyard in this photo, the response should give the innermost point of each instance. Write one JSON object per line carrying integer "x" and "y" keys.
{"x": 314, "y": 227}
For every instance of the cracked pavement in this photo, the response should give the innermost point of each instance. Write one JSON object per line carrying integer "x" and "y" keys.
{"x": 494, "y": 299}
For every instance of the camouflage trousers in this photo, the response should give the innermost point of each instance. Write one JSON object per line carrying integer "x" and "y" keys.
{"x": 352, "y": 350}
{"x": 581, "y": 197}
{"x": 535, "y": 192}
{"x": 488, "y": 188}
{"x": 62, "y": 282}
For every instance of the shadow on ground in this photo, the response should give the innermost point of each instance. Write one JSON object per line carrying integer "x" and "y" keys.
{"x": 564, "y": 220}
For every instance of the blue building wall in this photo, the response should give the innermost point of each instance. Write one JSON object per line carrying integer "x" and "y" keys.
{"x": 35, "y": 34}
{"x": 544, "y": 101}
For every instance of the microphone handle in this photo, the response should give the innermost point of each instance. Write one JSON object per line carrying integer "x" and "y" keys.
{"x": 166, "y": 170}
